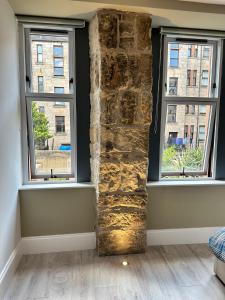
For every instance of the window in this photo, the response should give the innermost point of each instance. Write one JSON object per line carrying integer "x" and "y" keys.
{"x": 40, "y": 84}
{"x": 59, "y": 90}
{"x": 192, "y": 51}
{"x": 185, "y": 131}
{"x": 191, "y": 77}
{"x": 58, "y": 60}
{"x": 201, "y": 133}
{"x": 205, "y": 77}
{"x": 51, "y": 154}
{"x": 41, "y": 109}
{"x": 39, "y": 53}
{"x": 171, "y": 113}
{"x": 205, "y": 52}
{"x": 173, "y": 81}
{"x": 189, "y": 109}
{"x": 59, "y": 124}
{"x": 202, "y": 109}
{"x": 174, "y": 55}
{"x": 188, "y": 116}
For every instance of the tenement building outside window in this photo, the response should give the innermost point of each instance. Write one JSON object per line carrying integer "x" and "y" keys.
{"x": 49, "y": 99}
{"x": 188, "y": 108}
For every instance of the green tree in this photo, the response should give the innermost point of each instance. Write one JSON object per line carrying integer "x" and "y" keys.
{"x": 40, "y": 127}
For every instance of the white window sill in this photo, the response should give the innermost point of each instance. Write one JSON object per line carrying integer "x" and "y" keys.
{"x": 53, "y": 186}
{"x": 200, "y": 182}
{"x": 152, "y": 184}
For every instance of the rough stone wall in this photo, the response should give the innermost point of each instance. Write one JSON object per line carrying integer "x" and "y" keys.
{"x": 121, "y": 78}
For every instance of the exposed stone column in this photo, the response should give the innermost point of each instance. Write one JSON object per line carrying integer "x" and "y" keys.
{"x": 121, "y": 79}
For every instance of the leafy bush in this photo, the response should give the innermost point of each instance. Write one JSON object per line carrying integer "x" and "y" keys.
{"x": 175, "y": 159}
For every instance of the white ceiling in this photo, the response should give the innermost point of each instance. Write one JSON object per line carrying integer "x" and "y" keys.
{"x": 164, "y": 12}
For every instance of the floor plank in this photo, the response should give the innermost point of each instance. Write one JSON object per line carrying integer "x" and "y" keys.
{"x": 162, "y": 273}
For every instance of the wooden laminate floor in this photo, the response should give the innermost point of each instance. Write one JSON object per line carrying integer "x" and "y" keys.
{"x": 163, "y": 272}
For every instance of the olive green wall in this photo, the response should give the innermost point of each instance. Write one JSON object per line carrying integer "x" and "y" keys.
{"x": 72, "y": 210}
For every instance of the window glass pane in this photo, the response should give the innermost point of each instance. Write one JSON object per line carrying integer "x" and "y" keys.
{"x": 52, "y": 138}
{"x": 185, "y": 139}
{"x": 40, "y": 84}
{"x": 173, "y": 82}
{"x": 58, "y": 51}
{"x": 58, "y": 71}
{"x": 187, "y": 63}
{"x": 58, "y": 62}
{"x": 55, "y": 65}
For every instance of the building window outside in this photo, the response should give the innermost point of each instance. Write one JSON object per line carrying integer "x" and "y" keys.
{"x": 40, "y": 84}
{"x": 172, "y": 110}
{"x": 49, "y": 128}
{"x": 192, "y": 51}
{"x": 205, "y": 77}
{"x": 58, "y": 60}
{"x": 39, "y": 53}
{"x": 185, "y": 131}
{"x": 191, "y": 77}
{"x": 205, "y": 52}
{"x": 189, "y": 109}
{"x": 202, "y": 109}
{"x": 41, "y": 109}
{"x": 173, "y": 84}
{"x": 60, "y": 124}
{"x": 174, "y": 55}
{"x": 59, "y": 90}
{"x": 201, "y": 133}
{"x": 184, "y": 157}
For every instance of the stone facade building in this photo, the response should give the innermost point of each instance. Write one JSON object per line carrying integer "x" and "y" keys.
{"x": 50, "y": 67}
{"x": 188, "y": 75}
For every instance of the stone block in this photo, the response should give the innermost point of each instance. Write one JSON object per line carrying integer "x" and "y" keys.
{"x": 126, "y": 42}
{"x": 133, "y": 176}
{"x": 114, "y": 71}
{"x": 121, "y": 139}
{"x": 121, "y": 241}
{"x": 124, "y": 177}
{"x": 126, "y": 29}
{"x": 106, "y": 201}
{"x": 108, "y": 30}
{"x": 119, "y": 218}
{"x": 128, "y": 107}
{"x": 143, "y": 24}
{"x": 109, "y": 177}
{"x": 109, "y": 107}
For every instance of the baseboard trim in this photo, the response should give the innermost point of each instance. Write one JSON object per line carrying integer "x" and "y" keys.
{"x": 179, "y": 236}
{"x": 9, "y": 269}
{"x": 85, "y": 241}
{"x": 58, "y": 243}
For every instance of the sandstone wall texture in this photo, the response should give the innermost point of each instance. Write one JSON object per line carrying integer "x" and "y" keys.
{"x": 121, "y": 78}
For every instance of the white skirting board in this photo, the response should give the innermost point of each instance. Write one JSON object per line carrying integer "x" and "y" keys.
{"x": 179, "y": 236}
{"x": 9, "y": 269}
{"x": 85, "y": 241}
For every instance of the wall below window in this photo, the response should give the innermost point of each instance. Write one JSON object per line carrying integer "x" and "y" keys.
{"x": 72, "y": 210}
